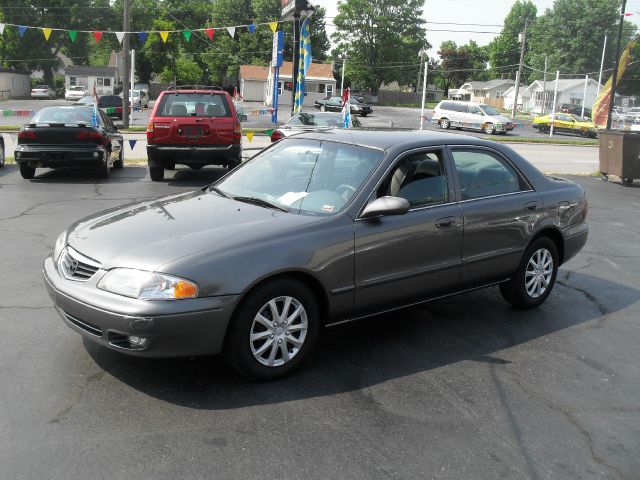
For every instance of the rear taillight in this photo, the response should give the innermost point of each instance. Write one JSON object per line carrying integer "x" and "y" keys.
{"x": 276, "y": 135}
{"x": 150, "y": 132}
{"x": 237, "y": 133}
{"x": 90, "y": 135}
{"x": 27, "y": 135}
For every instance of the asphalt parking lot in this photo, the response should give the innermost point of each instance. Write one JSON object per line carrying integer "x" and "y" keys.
{"x": 464, "y": 387}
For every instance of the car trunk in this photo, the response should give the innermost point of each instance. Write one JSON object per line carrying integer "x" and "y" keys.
{"x": 60, "y": 134}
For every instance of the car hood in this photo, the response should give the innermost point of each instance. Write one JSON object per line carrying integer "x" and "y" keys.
{"x": 150, "y": 234}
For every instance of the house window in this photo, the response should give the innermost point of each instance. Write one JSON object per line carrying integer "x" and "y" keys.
{"x": 107, "y": 82}
{"x": 321, "y": 88}
{"x": 279, "y": 88}
{"x": 99, "y": 82}
{"x": 499, "y": 94}
{"x": 73, "y": 81}
{"x": 329, "y": 89}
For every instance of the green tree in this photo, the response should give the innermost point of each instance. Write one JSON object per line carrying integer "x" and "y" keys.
{"x": 504, "y": 50}
{"x": 456, "y": 65}
{"x": 379, "y": 37}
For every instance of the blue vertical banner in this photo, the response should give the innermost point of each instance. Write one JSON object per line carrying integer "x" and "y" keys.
{"x": 277, "y": 58}
{"x": 304, "y": 63}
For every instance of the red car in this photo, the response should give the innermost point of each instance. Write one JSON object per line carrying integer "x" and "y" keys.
{"x": 193, "y": 127}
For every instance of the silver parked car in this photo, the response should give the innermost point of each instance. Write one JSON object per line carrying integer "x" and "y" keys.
{"x": 471, "y": 115}
{"x": 317, "y": 229}
{"x": 313, "y": 121}
{"x": 43, "y": 92}
{"x": 75, "y": 92}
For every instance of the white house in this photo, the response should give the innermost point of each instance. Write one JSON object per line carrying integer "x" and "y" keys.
{"x": 255, "y": 83}
{"x": 570, "y": 90}
{"x": 14, "y": 84}
{"x": 490, "y": 92}
{"x": 523, "y": 97}
{"x": 104, "y": 78}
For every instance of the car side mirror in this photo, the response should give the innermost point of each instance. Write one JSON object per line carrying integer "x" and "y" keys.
{"x": 384, "y": 206}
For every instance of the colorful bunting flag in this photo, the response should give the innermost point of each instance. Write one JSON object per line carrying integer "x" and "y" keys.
{"x": 97, "y": 36}
{"x": 304, "y": 63}
{"x": 249, "y": 136}
{"x": 72, "y": 35}
{"x": 232, "y": 31}
{"x": 273, "y": 26}
{"x": 269, "y": 132}
{"x": 132, "y": 143}
{"x": 142, "y": 36}
{"x": 187, "y": 34}
{"x": 252, "y": 27}
{"x": 46, "y": 32}
{"x": 164, "y": 35}
{"x": 1, "y": 28}
{"x": 120, "y": 36}
{"x": 210, "y": 33}
{"x": 22, "y": 29}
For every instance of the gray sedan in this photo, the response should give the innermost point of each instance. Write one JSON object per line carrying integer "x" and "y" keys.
{"x": 317, "y": 229}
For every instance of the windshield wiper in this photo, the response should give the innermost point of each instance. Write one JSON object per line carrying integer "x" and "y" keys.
{"x": 260, "y": 202}
{"x": 219, "y": 192}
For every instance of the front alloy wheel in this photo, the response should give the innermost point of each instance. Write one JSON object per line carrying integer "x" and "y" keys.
{"x": 489, "y": 128}
{"x": 445, "y": 123}
{"x": 273, "y": 330}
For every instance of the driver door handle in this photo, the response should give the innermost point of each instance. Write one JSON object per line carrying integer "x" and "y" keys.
{"x": 446, "y": 222}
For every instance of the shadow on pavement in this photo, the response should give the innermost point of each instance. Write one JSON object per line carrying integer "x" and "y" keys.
{"x": 473, "y": 327}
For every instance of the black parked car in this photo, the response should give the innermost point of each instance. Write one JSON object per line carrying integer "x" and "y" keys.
{"x": 575, "y": 110}
{"x": 318, "y": 229}
{"x": 109, "y": 104}
{"x": 334, "y": 104}
{"x": 66, "y": 136}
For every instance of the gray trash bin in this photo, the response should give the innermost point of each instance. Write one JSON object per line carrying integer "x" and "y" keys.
{"x": 620, "y": 155}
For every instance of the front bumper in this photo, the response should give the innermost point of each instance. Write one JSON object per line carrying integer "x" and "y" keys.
{"x": 172, "y": 328}
{"x": 59, "y": 156}
{"x": 195, "y": 154}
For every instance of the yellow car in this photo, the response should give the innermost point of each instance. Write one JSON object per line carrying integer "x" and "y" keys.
{"x": 565, "y": 123}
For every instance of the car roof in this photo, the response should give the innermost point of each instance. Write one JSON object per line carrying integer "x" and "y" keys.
{"x": 384, "y": 139}
{"x": 180, "y": 90}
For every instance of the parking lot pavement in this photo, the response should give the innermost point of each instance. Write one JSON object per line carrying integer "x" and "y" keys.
{"x": 464, "y": 387}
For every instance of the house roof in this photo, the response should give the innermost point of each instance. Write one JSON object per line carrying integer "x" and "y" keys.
{"x": 563, "y": 84}
{"x": 322, "y": 71}
{"x": 489, "y": 84}
{"x": 90, "y": 71}
{"x": 521, "y": 91}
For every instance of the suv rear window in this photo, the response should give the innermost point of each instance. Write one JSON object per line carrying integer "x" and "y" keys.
{"x": 193, "y": 105}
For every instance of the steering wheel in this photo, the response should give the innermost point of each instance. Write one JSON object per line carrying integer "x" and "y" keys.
{"x": 345, "y": 191}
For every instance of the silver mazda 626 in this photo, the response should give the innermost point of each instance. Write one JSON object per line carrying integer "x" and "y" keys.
{"x": 317, "y": 229}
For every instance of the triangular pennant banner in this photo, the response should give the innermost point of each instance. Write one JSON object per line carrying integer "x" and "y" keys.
{"x": 249, "y": 136}
{"x": 142, "y": 36}
{"x": 209, "y": 33}
{"x": 164, "y": 35}
{"x": 72, "y": 35}
{"x": 273, "y": 26}
{"x": 232, "y": 31}
{"x": 46, "y": 32}
{"x": 252, "y": 27}
{"x": 268, "y": 132}
{"x": 97, "y": 36}
{"x": 132, "y": 143}
{"x": 22, "y": 29}
{"x": 187, "y": 34}
{"x": 120, "y": 36}
{"x": 1, "y": 28}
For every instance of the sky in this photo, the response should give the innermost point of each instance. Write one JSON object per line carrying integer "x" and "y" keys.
{"x": 487, "y": 13}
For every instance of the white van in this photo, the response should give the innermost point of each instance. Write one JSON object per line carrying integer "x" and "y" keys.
{"x": 471, "y": 115}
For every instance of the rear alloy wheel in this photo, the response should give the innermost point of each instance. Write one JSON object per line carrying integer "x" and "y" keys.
{"x": 273, "y": 330}
{"x": 489, "y": 128}
{"x": 119, "y": 163}
{"x": 536, "y": 276}
{"x": 27, "y": 171}
{"x": 156, "y": 173}
{"x": 445, "y": 123}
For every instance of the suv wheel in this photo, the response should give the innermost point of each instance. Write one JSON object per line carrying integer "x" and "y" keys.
{"x": 156, "y": 173}
{"x": 27, "y": 171}
{"x": 445, "y": 123}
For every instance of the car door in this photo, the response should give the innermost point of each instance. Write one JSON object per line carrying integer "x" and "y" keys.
{"x": 407, "y": 258}
{"x": 498, "y": 206}
{"x": 115, "y": 137}
{"x": 334, "y": 104}
{"x": 474, "y": 117}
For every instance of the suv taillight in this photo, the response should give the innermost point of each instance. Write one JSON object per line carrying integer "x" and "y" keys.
{"x": 237, "y": 132}
{"x": 276, "y": 135}
{"x": 150, "y": 132}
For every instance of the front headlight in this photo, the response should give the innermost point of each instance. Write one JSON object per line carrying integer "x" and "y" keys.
{"x": 59, "y": 246}
{"x": 147, "y": 285}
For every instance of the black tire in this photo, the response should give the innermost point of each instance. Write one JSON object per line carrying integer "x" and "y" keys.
{"x": 156, "y": 173}
{"x": 489, "y": 128}
{"x": 627, "y": 182}
{"x": 234, "y": 164}
{"x": 364, "y": 114}
{"x": 27, "y": 171}
{"x": 119, "y": 163}
{"x": 104, "y": 169}
{"x": 444, "y": 123}
{"x": 2, "y": 158}
{"x": 515, "y": 290}
{"x": 238, "y": 350}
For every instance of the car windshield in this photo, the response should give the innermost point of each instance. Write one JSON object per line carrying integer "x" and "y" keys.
{"x": 41, "y": 87}
{"x": 488, "y": 110}
{"x": 76, "y": 88}
{"x": 64, "y": 115}
{"x": 316, "y": 119}
{"x": 577, "y": 118}
{"x": 193, "y": 105}
{"x": 308, "y": 177}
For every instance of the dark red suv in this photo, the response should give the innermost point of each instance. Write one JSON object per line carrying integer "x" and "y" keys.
{"x": 193, "y": 127}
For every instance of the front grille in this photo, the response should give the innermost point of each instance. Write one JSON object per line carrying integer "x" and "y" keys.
{"x": 86, "y": 326}
{"x": 75, "y": 266}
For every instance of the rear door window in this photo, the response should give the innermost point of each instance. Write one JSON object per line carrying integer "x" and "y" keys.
{"x": 194, "y": 105}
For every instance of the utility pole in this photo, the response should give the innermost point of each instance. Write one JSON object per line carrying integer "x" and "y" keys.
{"x": 344, "y": 60}
{"x": 614, "y": 79}
{"x": 553, "y": 108}
{"x": 125, "y": 65}
{"x": 421, "y": 55}
{"x": 544, "y": 86}
{"x": 424, "y": 92}
{"x": 524, "y": 40}
{"x": 604, "y": 49}
{"x": 584, "y": 95}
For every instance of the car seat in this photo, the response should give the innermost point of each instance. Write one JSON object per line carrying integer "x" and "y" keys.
{"x": 179, "y": 109}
